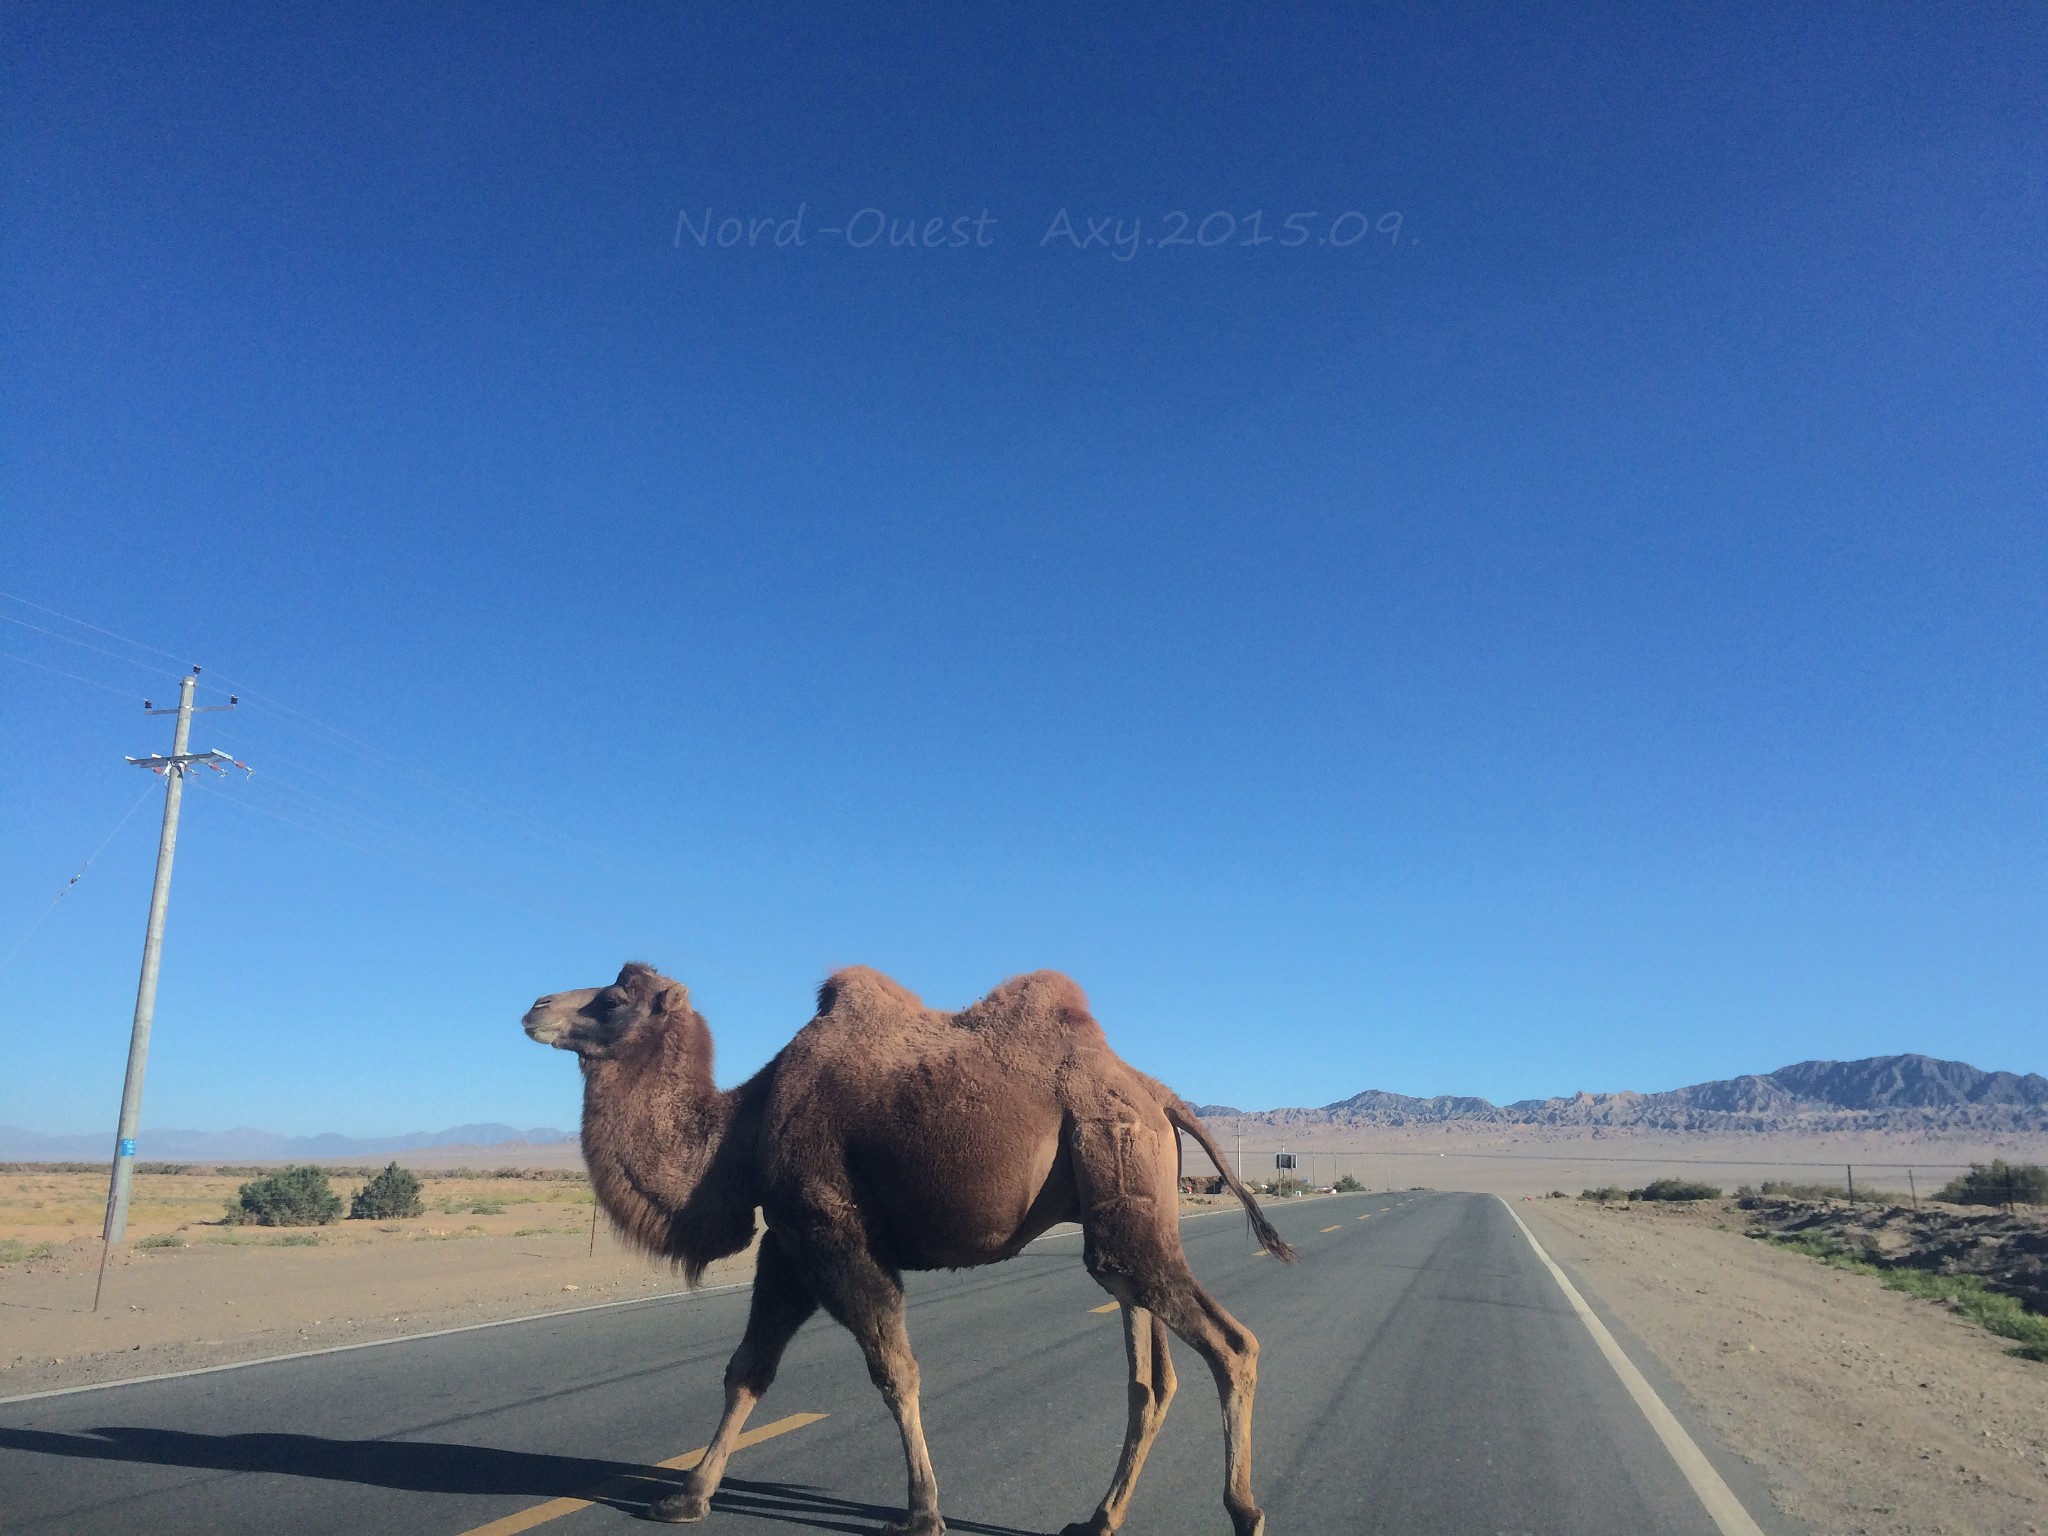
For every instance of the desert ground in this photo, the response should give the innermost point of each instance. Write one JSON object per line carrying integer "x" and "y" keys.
{"x": 188, "y": 1291}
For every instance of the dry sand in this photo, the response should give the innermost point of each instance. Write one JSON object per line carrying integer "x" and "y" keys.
{"x": 242, "y": 1293}
{"x": 1868, "y": 1411}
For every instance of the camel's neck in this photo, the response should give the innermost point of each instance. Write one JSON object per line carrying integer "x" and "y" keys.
{"x": 654, "y": 1125}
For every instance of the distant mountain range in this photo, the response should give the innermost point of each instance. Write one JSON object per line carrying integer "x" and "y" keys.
{"x": 1878, "y": 1093}
{"x": 17, "y": 1145}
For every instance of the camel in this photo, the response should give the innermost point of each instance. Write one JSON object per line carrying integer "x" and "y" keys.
{"x": 887, "y": 1136}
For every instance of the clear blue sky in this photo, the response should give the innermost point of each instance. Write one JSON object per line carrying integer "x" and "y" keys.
{"x": 1585, "y": 630}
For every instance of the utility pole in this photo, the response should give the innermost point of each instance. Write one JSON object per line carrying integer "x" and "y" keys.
{"x": 173, "y": 768}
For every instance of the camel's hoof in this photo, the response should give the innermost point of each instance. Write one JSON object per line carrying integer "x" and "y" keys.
{"x": 1091, "y": 1527}
{"x": 679, "y": 1509}
{"x": 1251, "y": 1522}
{"x": 915, "y": 1525}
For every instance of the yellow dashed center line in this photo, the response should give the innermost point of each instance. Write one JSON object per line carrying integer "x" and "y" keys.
{"x": 1366, "y": 1217}
{"x": 1105, "y": 1307}
{"x": 632, "y": 1483}
{"x": 1332, "y": 1229}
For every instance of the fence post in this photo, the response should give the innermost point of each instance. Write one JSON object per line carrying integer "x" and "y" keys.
{"x": 1851, "y": 1169}
{"x": 1915, "y": 1188}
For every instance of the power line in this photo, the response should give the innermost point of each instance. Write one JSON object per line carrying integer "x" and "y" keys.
{"x": 459, "y": 797}
{"x": 425, "y": 874}
{"x": 148, "y": 790}
{"x": 310, "y": 722}
{"x": 82, "y": 645}
{"x": 90, "y": 682}
{"x": 84, "y": 624}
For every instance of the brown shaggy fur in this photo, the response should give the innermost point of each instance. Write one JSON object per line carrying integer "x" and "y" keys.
{"x": 887, "y": 1136}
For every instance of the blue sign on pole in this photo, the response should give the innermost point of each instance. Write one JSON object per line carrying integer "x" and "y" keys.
{"x": 127, "y": 1146}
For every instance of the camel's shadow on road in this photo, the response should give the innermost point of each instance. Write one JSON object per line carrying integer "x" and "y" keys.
{"x": 429, "y": 1466}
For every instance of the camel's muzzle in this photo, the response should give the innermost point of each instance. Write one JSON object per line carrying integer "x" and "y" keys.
{"x": 543, "y": 1023}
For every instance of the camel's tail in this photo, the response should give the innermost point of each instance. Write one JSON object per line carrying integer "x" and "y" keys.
{"x": 1178, "y": 1112}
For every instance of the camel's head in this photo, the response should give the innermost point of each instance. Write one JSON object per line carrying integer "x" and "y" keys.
{"x": 596, "y": 1021}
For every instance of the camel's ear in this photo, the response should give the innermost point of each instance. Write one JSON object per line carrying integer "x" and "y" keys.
{"x": 673, "y": 1001}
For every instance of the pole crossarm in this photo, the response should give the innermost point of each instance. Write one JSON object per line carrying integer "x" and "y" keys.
{"x": 219, "y": 762}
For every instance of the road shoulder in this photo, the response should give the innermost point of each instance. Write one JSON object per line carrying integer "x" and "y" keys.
{"x": 1862, "y": 1410}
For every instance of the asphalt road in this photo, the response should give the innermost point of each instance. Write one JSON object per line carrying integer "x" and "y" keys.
{"x": 1421, "y": 1373}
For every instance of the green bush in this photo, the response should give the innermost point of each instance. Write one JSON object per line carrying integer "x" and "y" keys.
{"x": 298, "y": 1196}
{"x": 2022, "y": 1183}
{"x": 1606, "y": 1193}
{"x": 1347, "y": 1186}
{"x": 1287, "y": 1186}
{"x": 392, "y": 1193}
{"x": 1676, "y": 1189}
{"x": 162, "y": 1240}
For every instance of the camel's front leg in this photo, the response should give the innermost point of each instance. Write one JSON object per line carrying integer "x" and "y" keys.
{"x": 1151, "y": 1390}
{"x": 894, "y": 1370}
{"x": 781, "y": 1303}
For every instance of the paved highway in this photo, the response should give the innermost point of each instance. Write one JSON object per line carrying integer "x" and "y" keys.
{"x": 1422, "y": 1372}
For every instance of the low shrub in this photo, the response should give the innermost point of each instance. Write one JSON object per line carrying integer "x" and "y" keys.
{"x": 1676, "y": 1189}
{"x": 53, "y": 1168}
{"x": 1606, "y": 1193}
{"x": 162, "y": 1240}
{"x": 14, "y": 1251}
{"x": 391, "y": 1194}
{"x": 1779, "y": 1189}
{"x": 1348, "y": 1186}
{"x": 1998, "y": 1183}
{"x": 297, "y": 1196}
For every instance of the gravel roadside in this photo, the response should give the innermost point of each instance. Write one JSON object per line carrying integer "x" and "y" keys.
{"x": 1868, "y": 1412}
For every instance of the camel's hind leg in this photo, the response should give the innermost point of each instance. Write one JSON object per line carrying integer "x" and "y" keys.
{"x": 1151, "y": 1390}
{"x": 781, "y": 1303}
{"x": 868, "y": 1299}
{"x": 1233, "y": 1356}
{"x": 1125, "y": 1163}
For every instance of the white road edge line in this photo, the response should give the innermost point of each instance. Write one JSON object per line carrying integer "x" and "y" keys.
{"x": 1726, "y": 1511}
{"x": 1064, "y": 1229}
{"x": 403, "y": 1338}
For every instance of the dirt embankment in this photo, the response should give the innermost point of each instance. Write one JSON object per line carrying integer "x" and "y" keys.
{"x": 2007, "y": 1250}
{"x": 1869, "y": 1412}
